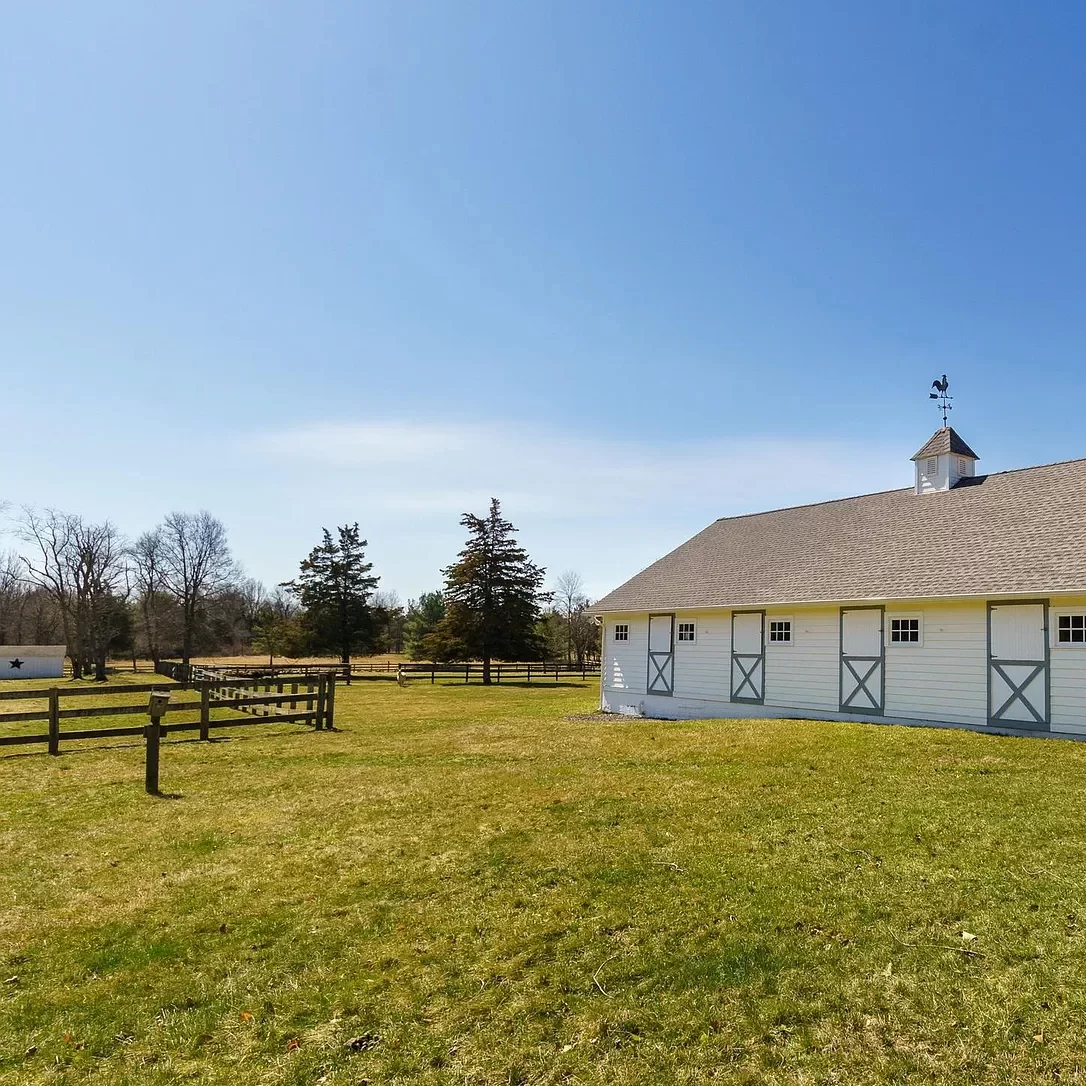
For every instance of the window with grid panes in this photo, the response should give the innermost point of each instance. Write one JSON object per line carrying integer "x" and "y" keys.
{"x": 904, "y": 631}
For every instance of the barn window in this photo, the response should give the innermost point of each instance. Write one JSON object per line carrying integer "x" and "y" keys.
{"x": 1071, "y": 630}
{"x": 780, "y": 631}
{"x": 905, "y": 631}
{"x": 933, "y": 465}
{"x": 963, "y": 467}
{"x": 622, "y": 631}
{"x": 686, "y": 631}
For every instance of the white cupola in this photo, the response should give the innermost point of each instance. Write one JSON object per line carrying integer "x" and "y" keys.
{"x": 943, "y": 462}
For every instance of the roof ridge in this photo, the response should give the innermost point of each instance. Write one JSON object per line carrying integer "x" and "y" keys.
{"x": 893, "y": 490}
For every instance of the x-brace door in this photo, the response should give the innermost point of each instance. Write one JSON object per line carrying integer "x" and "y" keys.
{"x": 863, "y": 660}
{"x": 748, "y": 657}
{"x": 1019, "y": 678}
{"x": 661, "y": 676}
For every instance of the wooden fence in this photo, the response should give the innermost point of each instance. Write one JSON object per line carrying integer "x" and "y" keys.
{"x": 515, "y": 673}
{"x": 387, "y": 669}
{"x": 318, "y": 698}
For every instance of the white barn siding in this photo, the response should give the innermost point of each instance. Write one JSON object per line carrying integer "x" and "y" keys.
{"x": 625, "y": 663}
{"x": 1068, "y": 673}
{"x": 803, "y": 675}
{"x": 701, "y": 668}
{"x": 945, "y": 678}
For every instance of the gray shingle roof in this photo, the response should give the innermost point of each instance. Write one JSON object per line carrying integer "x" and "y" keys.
{"x": 1015, "y": 532}
{"x": 946, "y": 440}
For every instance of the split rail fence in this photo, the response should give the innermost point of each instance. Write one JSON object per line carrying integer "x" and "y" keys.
{"x": 276, "y": 703}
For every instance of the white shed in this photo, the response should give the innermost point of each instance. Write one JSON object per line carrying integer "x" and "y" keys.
{"x": 32, "y": 661}
{"x": 960, "y": 600}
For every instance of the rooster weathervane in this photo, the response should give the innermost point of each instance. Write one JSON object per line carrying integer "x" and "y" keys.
{"x": 941, "y": 385}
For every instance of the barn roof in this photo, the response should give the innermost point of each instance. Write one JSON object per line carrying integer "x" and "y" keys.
{"x": 1014, "y": 532}
{"x": 946, "y": 440}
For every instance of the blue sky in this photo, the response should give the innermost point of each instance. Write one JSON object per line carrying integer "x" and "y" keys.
{"x": 628, "y": 267}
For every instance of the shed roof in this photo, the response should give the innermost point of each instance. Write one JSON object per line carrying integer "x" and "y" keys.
{"x": 1010, "y": 533}
{"x": 946, "y": 440}
{"x": 34, "y": 650}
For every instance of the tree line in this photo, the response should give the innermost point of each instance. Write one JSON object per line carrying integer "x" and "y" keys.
{"x": 177, "y": 591}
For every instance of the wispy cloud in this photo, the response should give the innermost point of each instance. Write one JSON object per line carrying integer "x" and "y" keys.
{"x": 442, "y": 468}
{"x": 603, "y": 505}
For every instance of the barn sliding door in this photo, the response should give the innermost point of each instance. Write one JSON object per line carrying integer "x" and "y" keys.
{"x": 863, "y": 660}
{"x": 1018, "y": 664}
{"x": 748, "y": 657}
{"x": 661, "y": 655}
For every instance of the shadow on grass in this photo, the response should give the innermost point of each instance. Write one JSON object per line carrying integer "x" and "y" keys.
{"x": 166, "y": 743}
{"x": 542, "y": 683}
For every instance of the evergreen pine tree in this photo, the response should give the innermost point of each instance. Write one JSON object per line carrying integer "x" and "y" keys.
{"x": 492, "y": 595}
{"x": 334, "y": 587}
{"x": 423, "y": 615}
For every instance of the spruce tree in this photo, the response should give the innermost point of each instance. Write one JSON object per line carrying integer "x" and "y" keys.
{"x": 492, "y": 595}
{"x": 334, "y": 587}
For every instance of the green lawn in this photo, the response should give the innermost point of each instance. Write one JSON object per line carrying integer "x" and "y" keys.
{"x": 463, "y": 886}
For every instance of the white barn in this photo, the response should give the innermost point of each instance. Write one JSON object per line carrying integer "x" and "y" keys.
{"x": 961, "y": 600}
{"x": 32, "y": 661}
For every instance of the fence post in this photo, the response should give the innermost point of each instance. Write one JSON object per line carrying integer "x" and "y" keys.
{"x": 153, "y": 734}
{"x": 205, "y": 709}
{"x": 54, "y": 720}
{"x": 433, "y": 672}
{"x": 499, "y": 674}
{"x": 330, "y": 706}
{"x": 318, "y": 722}
{"x": 529, "y": 673}
{"x": 467, "y": 671}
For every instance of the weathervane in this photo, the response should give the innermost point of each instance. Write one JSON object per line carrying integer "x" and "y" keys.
{"x": 941, "y": 396}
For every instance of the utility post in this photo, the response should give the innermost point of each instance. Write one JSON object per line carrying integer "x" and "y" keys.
{"x": 157, "y": 707}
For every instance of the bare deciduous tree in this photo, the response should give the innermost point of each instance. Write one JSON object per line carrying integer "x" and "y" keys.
{"x": 196, "y": 563}
{"x": 80, "y": 566}
{"x": 252, "y": 600}
{"x": 14, "y": 592}
{"x": 147, "y": 579}
{"x": 569, "y": 601}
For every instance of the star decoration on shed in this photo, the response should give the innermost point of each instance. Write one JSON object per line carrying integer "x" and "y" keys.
{"x": 16, "y": 663}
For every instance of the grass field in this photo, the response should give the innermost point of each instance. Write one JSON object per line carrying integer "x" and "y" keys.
{"x": 464, "y": 886}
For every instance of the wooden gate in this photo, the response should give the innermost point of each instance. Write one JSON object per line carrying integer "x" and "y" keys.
{"x": 661, "y": 678}
{"x": 863, "y": 660}
{"x": 748, "y": 657}
{"x": 1018, "y": 664}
